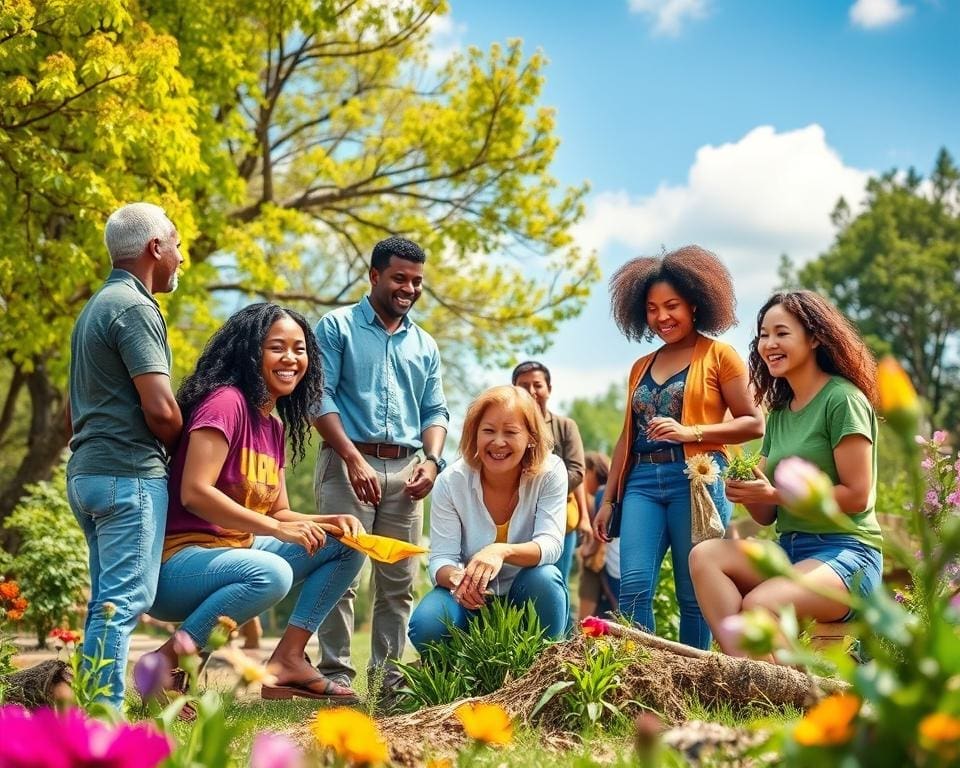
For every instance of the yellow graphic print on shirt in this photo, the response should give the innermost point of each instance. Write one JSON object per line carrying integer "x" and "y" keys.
{"x": 260, "y": 481}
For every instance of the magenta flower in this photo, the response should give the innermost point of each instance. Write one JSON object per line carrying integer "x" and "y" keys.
{"x": 939, "y": 437}
{"x": 804, "y": 489}
{"x": 274, "y": 750}
{"x": 45, "y": 739}
{"x": 151, "y": 674}
{"x": 731, "y": 630}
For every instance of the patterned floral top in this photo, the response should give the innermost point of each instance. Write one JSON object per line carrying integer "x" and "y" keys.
{"x": 651, "y": 400}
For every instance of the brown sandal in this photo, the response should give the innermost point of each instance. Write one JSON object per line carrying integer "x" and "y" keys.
{"x": 328, "y": 690}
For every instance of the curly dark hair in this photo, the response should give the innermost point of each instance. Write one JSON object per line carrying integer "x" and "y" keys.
{"x": 841, "y": 351}
{"x": 233, "y": 357}
{"x": 693, "y": 272}
{"x": 395, "y": 246}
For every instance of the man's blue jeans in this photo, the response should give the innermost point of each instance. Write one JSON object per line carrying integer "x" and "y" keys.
{"x": 200, "y": 584}
{"x": 656, "y": 516}
{"x": 123, "y": 520}
{"x": 542, "y": 584}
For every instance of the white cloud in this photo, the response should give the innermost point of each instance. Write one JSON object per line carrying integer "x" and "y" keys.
{"x": 669, "y": 15}
{"x": 872, "y": 14}
{"x": 446, "y": 39}
{"x": 749, "y": 201}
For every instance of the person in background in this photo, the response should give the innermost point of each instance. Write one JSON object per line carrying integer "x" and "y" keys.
{"x": 124, "y": 420}
{"x": 535, "y": 378}
{"x": 811, "y": 369}
{"x": 678, "y": 398}
{"x": 598, "y": 589}
{"x": 497, "y": 520}
{"x": 233, "y": 546}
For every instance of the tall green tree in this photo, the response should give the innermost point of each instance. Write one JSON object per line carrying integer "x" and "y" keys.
{"x": 894, "y": 269}
{"x": 284, "y": 138}
{"x": 600, "y": 418}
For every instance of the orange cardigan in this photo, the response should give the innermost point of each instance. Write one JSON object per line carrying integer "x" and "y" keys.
{"x": 713, "y": 364}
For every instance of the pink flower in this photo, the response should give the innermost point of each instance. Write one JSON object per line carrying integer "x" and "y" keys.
{"x": 939, "y": 437}
{"x": 954, "y": 498}
{"x": 44, "y": 738}
{"x": 274, "y": 750}
{"x": 731, "y": 630}
{"x": 919, "y": 439}
{"x": 183, "y": 644}
{"x": 594, "y": 627}
{"x": 927, "y": 463}
{"x": 805, "y": 490}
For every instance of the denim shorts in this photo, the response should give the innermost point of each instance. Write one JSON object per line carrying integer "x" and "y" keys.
{"x": 848, "y": 556}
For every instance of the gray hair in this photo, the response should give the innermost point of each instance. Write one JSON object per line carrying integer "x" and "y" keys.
{"x": 130, "y": 228}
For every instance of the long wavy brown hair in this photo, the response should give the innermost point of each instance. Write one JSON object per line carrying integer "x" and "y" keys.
{"x": 694, "y": 272}
{"x": 841, "y": 351}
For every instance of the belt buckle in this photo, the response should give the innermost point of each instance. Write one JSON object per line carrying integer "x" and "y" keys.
{"x": 377, "y": 452}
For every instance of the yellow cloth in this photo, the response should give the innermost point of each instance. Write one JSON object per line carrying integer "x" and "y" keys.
{"x": 573, "y": 513}
{"x": 382, "y": 548}
{"x": 502, "y": 532}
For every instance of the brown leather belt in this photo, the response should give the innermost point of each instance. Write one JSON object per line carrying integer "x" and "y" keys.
{"x": 666, "y": 456}
{"x": 384, "y": 450}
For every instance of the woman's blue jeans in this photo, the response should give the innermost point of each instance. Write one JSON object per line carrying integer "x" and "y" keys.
{"x": 200, "y": 584}
{"x": 542, "y": 584}
{"x": 656, "y": 516}
{"x": 122, "y": 519}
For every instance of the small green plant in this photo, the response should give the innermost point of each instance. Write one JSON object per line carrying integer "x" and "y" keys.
{"x": 51, "y": 564}
{"x": 741, "y": 466}
{"x": 89, "y": 688}
{"x": 586, "y": 695}
{"x": 501, "y": 641}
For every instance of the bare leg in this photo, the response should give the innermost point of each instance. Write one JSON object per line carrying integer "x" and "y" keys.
{"x": 721, "y": 576}
{"x": 774, "y": 594}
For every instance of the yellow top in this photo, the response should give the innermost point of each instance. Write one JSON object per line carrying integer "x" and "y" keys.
{"x": 502, "y": 532}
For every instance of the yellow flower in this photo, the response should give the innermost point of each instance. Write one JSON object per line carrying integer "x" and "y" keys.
{"x": 829, "y": 723}
{"x": 769, "y": 559}
{"x": 248, "y": 669}
{"x": 940, "y": 733}
{"x": 440, "y": 762}
{"x": 488, "y": 723}
{"x": 351, "y": 734}
{"x": 896, "y": 389}
{"x": 702, "y": 469}
{"x": 221, "y": 632}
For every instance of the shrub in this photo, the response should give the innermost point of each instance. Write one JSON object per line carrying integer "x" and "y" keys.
{"x": 51, "y": 564}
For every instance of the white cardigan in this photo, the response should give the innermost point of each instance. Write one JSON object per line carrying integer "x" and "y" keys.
{"x": 460, "y": 525}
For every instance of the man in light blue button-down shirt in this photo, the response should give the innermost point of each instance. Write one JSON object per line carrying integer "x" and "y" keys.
{"x": 383, "y": 418}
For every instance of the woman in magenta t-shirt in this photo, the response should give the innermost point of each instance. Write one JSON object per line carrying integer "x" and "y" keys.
{"x": 233, "y": 547}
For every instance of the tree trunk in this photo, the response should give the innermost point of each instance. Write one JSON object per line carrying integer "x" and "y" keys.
{"x": 45, "y": 443}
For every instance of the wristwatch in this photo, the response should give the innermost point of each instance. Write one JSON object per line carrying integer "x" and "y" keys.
{"x": 441, "y": 464}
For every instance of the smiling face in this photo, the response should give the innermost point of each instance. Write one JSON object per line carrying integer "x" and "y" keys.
{"x": 535, "y": 382}
{"x": 669, "y": 315}
{"x": 784, "y": 344}
{"x": 285, "y": 359}
{"x": 502, "y": 439}
{"x": 396, "y": 288}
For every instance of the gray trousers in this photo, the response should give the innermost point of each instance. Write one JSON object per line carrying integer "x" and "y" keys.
{"x": 396, "y": 516}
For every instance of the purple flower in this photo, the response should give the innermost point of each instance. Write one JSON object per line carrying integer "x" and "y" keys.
{"x": 44, "y": 738}
{"x": 183, "y": 644}
{"x": 274, "y": 750}
{"x": 899, "y": 596}
{"x": 954, "y": 498}
{"x": 151, "y": 674}
{"x": 939, "y": 437}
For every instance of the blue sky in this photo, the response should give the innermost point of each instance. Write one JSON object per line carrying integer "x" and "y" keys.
{"x": 732, "y": 124}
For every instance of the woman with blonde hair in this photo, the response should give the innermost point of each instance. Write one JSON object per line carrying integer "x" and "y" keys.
{"x": 497, "y": 520}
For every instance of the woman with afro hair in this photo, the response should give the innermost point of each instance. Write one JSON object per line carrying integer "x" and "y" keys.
{"x": 678, "y": 398}
{"x": 233, "y": 547}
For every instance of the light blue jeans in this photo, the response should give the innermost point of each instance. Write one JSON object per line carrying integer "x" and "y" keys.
{"x": 123, "y": 520}
{"x": 542, "y": 584}
{"x": 656, "y": 516}
{"x": 200, "y": 584}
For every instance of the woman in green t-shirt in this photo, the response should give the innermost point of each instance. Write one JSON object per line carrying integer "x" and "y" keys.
{"x": 810, "y": 368}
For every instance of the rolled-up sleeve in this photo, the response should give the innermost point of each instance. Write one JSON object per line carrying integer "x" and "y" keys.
{"x": 550, "y": 517}
{"x": 331, "y": 351}
{"x": 433, "y": 406}
{"x": 446, "y": 530}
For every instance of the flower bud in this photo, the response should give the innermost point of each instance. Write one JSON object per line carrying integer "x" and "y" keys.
{"x": 183, "y": 644}
{"x": 899, "y": 403}
{"x": 766, "y": 557}
{"x": 804, "y": 489}
{"x": 151, "y": 674}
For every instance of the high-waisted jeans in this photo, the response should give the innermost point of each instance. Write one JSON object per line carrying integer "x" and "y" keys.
{"x": 656, "y": 516}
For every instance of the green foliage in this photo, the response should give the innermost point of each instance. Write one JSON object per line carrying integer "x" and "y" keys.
{"x": 51, "y": 564}
{"x": 893, "y": 270}
{"x": 600, "y": 418}
{"x": 88, "y": 672}
{"x": 741, "y": 466}
{"x": 501, "y": 641}
{"x": 586, "y": 696}
{"x": 665, "y": 612}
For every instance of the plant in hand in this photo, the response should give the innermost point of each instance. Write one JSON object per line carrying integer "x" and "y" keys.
{"x": 741, "y": 466}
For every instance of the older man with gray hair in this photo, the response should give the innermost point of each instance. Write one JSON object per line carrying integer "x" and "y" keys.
{"x": 124, "y": 420}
